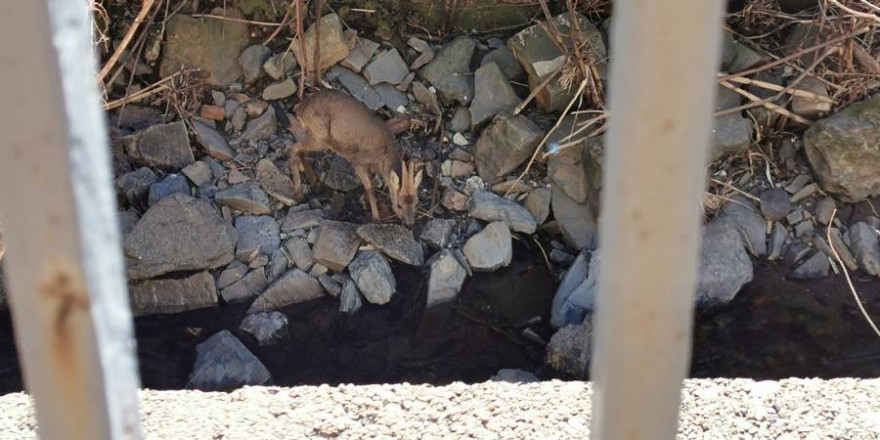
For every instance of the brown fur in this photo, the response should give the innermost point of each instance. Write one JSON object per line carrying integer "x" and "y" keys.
{"x": 330, "y": 120}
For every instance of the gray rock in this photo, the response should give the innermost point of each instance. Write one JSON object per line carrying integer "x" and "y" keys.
{"x": 357, "y": 86}
{"x": 335, "y": 245}
{"x": 775, "y": 204}
{"x": 578, "y": 221}
{"x": 426, "y": 98}
{"x": 305, "y": 219}
{"x": 238, "y": 119}
{"x": 341, "y": 175}
{"x": 504, "y": 145}
{"x": 418, "y": 44}
{"x": 251, "y": 61}
{"x": 732, "y": 134}
{"x": 360, "y": 54}
{"x": 224, "y": 363}
{"x": 576, "y": 295}
{"x": 392, "y": 97}
{"x": 813, "y": 268}
{"x": 279, "y": 90}
{"x": 804, "y": 229}
{"x": 213, "y": 142}
{"x": 422, "y": 60}
{"x": 334, "y": 47}
{"x": 256, "y": 236}
{"x": 437, "y": 232}
{"x": 561, "y": 257}
{"x": 490, "y": 249}
{"x": 349, "y": 298}
{"x": 163, "y": 146}
{"x": 330, "y": 285}
{"x": 450, "y": 72}
{"x": 407, "y": 81}
{"x": 538, "y": 204}
{"x": 199, "y": 173}
{"x": 373, "y": 277}
{"x": 567, "y": 170}
{"x": 842, "y": 151}
{"x": 493, "y": 95}
{"x": 753, "y": 228}
{"x": 514, "y": 376}
{"x": 245, "y": 197}
{"x": 253, "y": 284}
{"x": 387, "y": 67}
{"x": 231, "y": 274}
{"x": 490, "y": 207}
{"x": 454, "y": 200}
{"x": 570, "y": 350}
{"x": 865, "y": 247}
{"x": 280, "y": 65}
{"x": 842, "y": 250}
{"x": 274, "y": 182}
{"x": 173, "y": 184}
{"x": 503, "y": 57}
{"x": 540, "y": 56}
{"x": 173, "y": 295}
{"x": 724, "y": 263}
{"x": 300, "y": 252}
{"x": 278, "y": 265}
{"x": 809, "y": 107}
{"x": 461, "y": 120}
{"x": 744, "y": 57}
{"x": 135, "y": 186}
{"x": 127, "y": 220}
{"x": 260, "y": 128}
{"x": 763, "y": 116}
{"x": 267, "y": 328}
{"x": 208, "y": 44}
{"x": 294, "y": 287}
{"x": 394, "y": 241}
{"x": 776, "y": 243}
{"x": 179, "y": 233}
{"x": 447, "y": 277}
{"x": 824, "y": 209}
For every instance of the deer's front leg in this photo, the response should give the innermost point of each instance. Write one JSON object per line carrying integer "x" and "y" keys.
{"x": 294, "y": 160}
{"x": 368, "y": 188}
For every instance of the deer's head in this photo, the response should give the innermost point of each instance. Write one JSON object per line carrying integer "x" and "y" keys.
{"x": 405, "y": 192}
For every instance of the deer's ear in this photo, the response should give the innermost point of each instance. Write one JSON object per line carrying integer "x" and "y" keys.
{"x": 417, "y": 181}
{"x": 394, "y": 181}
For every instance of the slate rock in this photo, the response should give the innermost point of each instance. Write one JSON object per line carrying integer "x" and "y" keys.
{"x": 567, "y": 170}
{"x": 268, "y": 328}
{"x": 865, "y": 247}
{"x": 447, "y": 277}
{"x": 275, "y": 183}
{"x": 303, "y": 219}
{"x": 213, "y": 142}
{"x": 437, "y": 232}
{"x": 280, "y": 65}
{"x": 373, "y": 277}
{"x": 775, "y": 204}
{"x": 493, "y": 95}
{"x": 245, "y": 197}
{"x": 349, "y": 298}
{"x": 199, "y": 173}
{"x": 538, "y": 204}
{"x": 514, "y": 376}
{"x": 172, "y": 184}
{"x": 294, "y": 287}
{"x": 824, "y": 209}
{"x": 300, "y": 252}
{"x": 461, "y": 120}
{"x": 251, "y": 285}
{"x": 490, "y": 249}
{"x": 753, "y": 228}
{"x": 335, "y": 245}
{"x": 224, "y": 363}
{"x": 450, "y": 72}
{"x": 576, "y": 295}
{"x": 163, "y": 146}
{"x": 334, "y": 47}
{"x": 180, "y": 233}
{"x": 391, "y": 97}
{"x": 776, "y": 242}
{"x": 578, "y": 221}
{"x": 394, "y": 241}
{"x": 809, "y": 107}
{"x": 208, "y": 44}
{"x": 360, "y": 54}
{"x": 260, "y": 128}
{"x": 135, "y": 186}
{"x": 504, "y": 59}
{"x": 387, "y": 67}
{"x": 173, "y": 295}
{"x": 490, "y": 207}
{"x": 251, "y": 61}
{"x": 725, "y": 266}
{"x": 231, "y": 274}
{"x": 505, "y": 144}
{"x": 257, "y": 235}
{"x": 570, "y": 350}
{"x": 279, "y": 90}
{"x": 815, "y": 267}
{"x": 357, "y": 86}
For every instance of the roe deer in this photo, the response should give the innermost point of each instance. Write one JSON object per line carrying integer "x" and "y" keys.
{"x": 331, "y": 120}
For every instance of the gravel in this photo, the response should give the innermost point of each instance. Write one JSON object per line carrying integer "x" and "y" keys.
{"x": 712, "y": 409}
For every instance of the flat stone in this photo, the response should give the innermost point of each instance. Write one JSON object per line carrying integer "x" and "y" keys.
{"x": 255, "y": 107}
{"x": 504, "y": 59}
{"x": 865, "y": 247}
{"x": 804, "y": 193}
{"x": 300, "y": 252}
{"x": 450, "y": 72}
{"x": 804, "y": 229}
{"x": 239, "y": 119}
{"x": 578, "y": 221}
{"x": 421, "y": 46}
{"x": 538, "y": 204}
{"x": 245, "y": 197}
{"x": 815, "y": 267}
{"x": 331, "y": 286}
{"x": 267, "y": 328}
{"x": 567, "y": 170}
{"x": 843, "y": 250}
{"x": 256, "y": 236}
{"x": 392, "y": 97}
{"x": 490, "y": 249}
{"x": 461, "y": 120}
{"x": 373, "y": 277}
{"x": 505, "y": 144}
{"x": 274, "y": 182}
{"x": 180, "y": 233}
{"x": 797, "y": 183}
{"x": 163, "y": 146}
{"x": 253, "y": 284}
{"x": 511, "y": 375}
{"x": 335, "y": 245}
{"x": 570, "y": 350}
{"x": 305, "y": 219}
{"x": 447, "y": 277}
{"x": 251, "y": 61}
{"x": 334, "y": 47}
{"x": 294, "y": 287}
{"x": 172, "y": 184}
{"x": 407, "y": 81}
{"x": 775, "y": 204}
{"x": 212, "y": 112}
{"x": 422, "y": 60}
{"x": 357, "y": 86}
{"x": 360, "y": 54}
{"x": 493, "y": 95}
{"x": 208, "y": 44}
{"x": 512, "y": 187}
{"x": 135, "y": 186}
{"x": 437, "y": 232}
{"x": 454, "y": 200}
{"x": 394, "y": 241}
{"x": 173, "y": 295}
{"x": 732, "y": 134}
{"x": 753, "y": 228}
{"x": 490, "y": 207}
{"x": 824, "y": 209}
{"x": 809, "y": 107}
{"x": 127, "y": 220}
{"x": 280, "y": 65}
{"x": 776, "y": 243}
{"x": 843, "y": 151}
{"x": 231, "y": 274}
{"x": 387, "y": 67}
{"x": 725, "y": 266}
{"x": 576, "y": 295}
{"x": 224, "y": 363}
{"x": 279, "y": 90}
{"x": 260, "y": 128}
{"x": 199, "y": 173}
{"x": 349, "y": 298}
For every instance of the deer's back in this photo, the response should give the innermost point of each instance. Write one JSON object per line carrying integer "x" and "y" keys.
{"x": 346, "y": 126}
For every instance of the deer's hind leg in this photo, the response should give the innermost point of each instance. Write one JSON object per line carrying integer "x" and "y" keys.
{"x": 310, "y": 174}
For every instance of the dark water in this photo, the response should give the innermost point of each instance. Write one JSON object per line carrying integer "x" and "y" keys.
{"x": 773, "y": 329}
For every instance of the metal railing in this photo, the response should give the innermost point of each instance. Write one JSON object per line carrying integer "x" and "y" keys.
{"x": 65, "y": 268}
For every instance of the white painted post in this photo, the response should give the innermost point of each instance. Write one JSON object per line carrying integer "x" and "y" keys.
{"x": 64, "y": 263}
{"x": 664, "y": 60}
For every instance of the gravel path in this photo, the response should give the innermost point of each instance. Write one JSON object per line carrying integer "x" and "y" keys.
{"x": 712, "y": 409}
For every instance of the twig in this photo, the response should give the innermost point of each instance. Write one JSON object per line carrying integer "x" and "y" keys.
{"x": 145, "y": 9}
{"x": 756, "y": 199}
{"x": 280, "y": 27}
{"x": 846, "y": 275}
{"x": 854, "y": 12}
{"x": 519, "y": 108}
{"x": 767, "y": 104}
{"x": 544, "y": 253}
{"x": 152, "y": 89}
{"x": 237, "y": 20}
{"x": 778, "y": 88}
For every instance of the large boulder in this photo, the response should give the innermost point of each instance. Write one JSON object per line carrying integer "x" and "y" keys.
{"x": 224, "y": 363}
{"x": 173, "y": 295}
{"x": 493, "y": 95}
{"x": 505, "y": 144}
{"x": 844, "y": 151}
{"x": 450, "y": 71}
{"x": 208, "y": 44}
{"x": 180, "y": 233}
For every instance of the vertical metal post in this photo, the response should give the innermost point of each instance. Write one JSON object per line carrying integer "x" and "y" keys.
{"x": 665, "y": 57}
{"x": 64, "y": 263}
